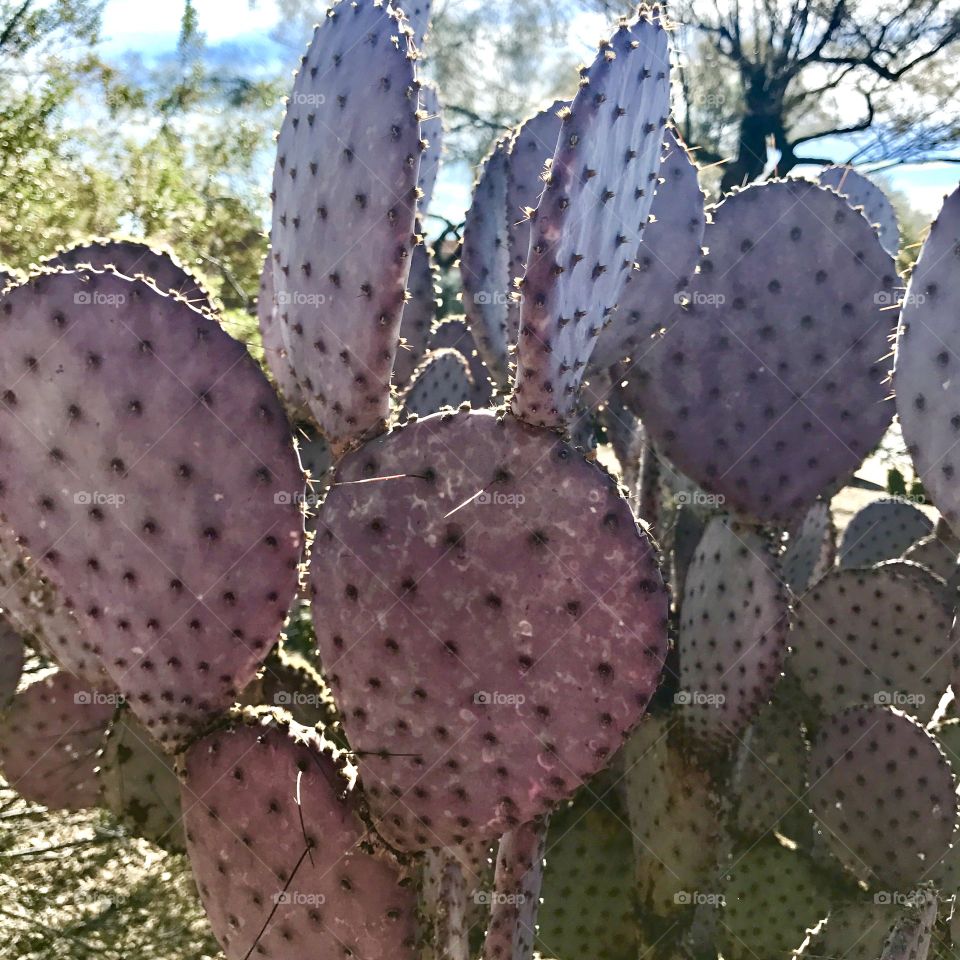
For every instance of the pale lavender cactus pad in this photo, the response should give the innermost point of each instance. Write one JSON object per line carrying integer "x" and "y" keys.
{"x": 589, "y": 223}
{"x": 348, "y": 157}
{"x": 457, "y": 608}
{"x": 167, "y": 510}
{"x": 773, "y": 385}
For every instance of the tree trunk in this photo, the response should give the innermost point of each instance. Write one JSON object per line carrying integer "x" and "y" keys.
{"x": 751, "y": 152}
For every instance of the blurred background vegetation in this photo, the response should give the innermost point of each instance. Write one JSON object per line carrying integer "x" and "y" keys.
{"x": 177, "y": 148}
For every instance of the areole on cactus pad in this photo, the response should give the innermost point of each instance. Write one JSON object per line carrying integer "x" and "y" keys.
{"x": 150, "y": 473}
{"x": 492, "y": 622}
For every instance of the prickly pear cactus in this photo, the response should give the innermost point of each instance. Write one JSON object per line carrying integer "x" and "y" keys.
{"x": 882, "y": 530}
{"x": 666, "y": 259}
{"x": 769, "y": 388}
{"x": 11, "y": 661}
{"x": 926, "y": 390}
{"x": 453, "y": 333}
{"x": 289, "y": 682}
{"x": 859, "y": 191}
{"x": 589, "y": 223}
{"x": 588, "y": 892}
{"x": 464, "y": 736}
{"x": 277, "y": 844}
{"x": 857, "y": 930}
{"x": 175, "y": 541}
{"x": 884, "y": 794}
{"x": 532, "y": 147}
{"x": 770, "y": 894}
{"x": 910, "y": 939}
{"x": 769, "y": 777}
{"x": 484, "y": 264}
{"x": 733, "y": 631}
{"x": 339, "y": 307}
{"x": 134, "y": 259}
{"x": 35, "y": 607}
{"x": 444, "y": 920}
{"x": 674, "y": 815}
{"x": 418, "y": 314}
{"x": 49, "y": 737}
{"x": 874, "y": 637}
{"x": 274, "y": 350}
{"x": 442, "y": 380}
{"x": 811, "y": 549}
{"x": 937, "y": 552}
{"x": 138, "y": 783}
{"x": 517, "y": 882}
{"x": 431, "y": 133}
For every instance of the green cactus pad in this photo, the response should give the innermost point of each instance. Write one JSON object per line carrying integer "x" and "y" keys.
{"x": 858, "y": 930}
{"x": 769, "y": 778}
{"x": 588, "y": 227}
{"x": 770, "y": 387}
{"x": 884, "y": 795}
{"x": 138, "y": 784}
{"x": 588, "y": 892}
{"x": 874, "y": 636}
{"x": 772, "y": 894}
{"x": 348, "y": 156}
{"x": 491, "y": 620}
{"x": 733, "y": 631}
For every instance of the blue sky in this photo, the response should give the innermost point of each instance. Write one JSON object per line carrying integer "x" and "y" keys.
{"x": 242, "y": 30}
